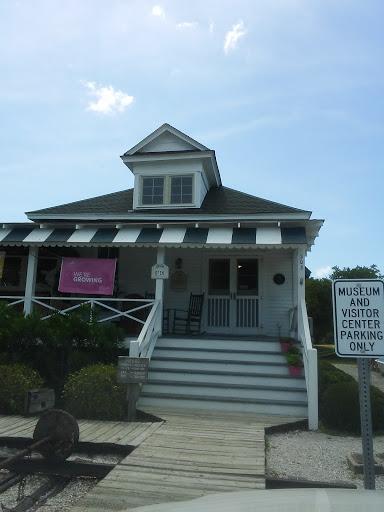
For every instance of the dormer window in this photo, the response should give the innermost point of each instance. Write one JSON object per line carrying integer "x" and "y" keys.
{"x": 181, "y": 190}
{"x": 166, "y": 190}
{"x": 153, "y": 191}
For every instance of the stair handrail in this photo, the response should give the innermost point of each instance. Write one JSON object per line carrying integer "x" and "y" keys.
{"x": 146, "y": 341}
{"x": 310, "y": 365}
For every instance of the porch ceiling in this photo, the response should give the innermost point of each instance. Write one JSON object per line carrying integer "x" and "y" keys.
{"x": 213, "y": 237}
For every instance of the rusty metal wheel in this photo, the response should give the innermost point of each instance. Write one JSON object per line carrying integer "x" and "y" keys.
{"x": 63, "y": 430}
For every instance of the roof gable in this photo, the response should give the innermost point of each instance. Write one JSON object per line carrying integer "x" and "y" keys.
{"x": 165, "y": 139}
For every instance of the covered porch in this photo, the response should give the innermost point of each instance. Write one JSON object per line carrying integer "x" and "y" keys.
{"x": 252, "y": 280}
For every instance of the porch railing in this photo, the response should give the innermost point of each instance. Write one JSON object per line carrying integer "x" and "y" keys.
{"x": 145, "y": 343}
{"x": 108, "y": 310}
{"x": 108, "y": 307}
{"x": 310, "y": 365}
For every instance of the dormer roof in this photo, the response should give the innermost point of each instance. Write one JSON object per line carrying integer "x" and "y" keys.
{"x": 165, "y": 138}
{"x": 167, "y": 144}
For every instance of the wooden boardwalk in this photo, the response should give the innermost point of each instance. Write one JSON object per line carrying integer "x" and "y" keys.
{"x": 110, "y": 432}
{"x": 192, "y": 454}
{"x": 187, "y": 455}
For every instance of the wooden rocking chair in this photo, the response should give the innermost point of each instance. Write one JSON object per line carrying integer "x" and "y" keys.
{"x": 188, "y": 322}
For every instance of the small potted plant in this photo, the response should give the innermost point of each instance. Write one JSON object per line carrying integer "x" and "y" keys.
{"x": 286, "y": 343}
{"x": 294, "y": 361}
{"x": 295, "y": 365}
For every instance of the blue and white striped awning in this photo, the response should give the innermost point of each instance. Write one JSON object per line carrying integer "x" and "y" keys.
{"x": 263, "y": 236}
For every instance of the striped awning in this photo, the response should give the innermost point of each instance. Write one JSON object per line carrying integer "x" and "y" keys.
{"x": 167, "y": 236}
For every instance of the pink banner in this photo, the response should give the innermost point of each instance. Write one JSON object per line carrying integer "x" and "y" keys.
{"x": 88, "y": 276}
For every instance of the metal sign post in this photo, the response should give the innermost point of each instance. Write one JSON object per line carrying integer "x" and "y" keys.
{"x": 358, "y": 313}
{"x": 366, "y": 422}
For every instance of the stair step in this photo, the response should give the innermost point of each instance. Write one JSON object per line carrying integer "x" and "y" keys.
{"x": 260, "y": 406}
{"x": 218, "y": 355}
{"x": 227, "y": 377}
{"x": 223, "y": 365}
{"x": 218, "y": 343}
{"x": 238, "y": 391}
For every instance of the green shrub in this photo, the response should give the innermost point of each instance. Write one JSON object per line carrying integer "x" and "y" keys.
{"x": 328, "y": 374}
{"x": 341, "y": 407}
{"x": 93, "y": 393}
{"x": 59, "y": 345}
{"x": 19, "y": 333}
{"x": 15, "y": 380}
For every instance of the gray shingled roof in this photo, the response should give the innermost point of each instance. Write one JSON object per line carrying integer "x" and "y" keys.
{"x": 218, "y": 201}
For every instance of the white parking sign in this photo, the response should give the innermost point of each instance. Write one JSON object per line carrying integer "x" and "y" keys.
{"x": 358, "y": 313}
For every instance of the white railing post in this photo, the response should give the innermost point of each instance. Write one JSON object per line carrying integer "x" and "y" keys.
{"x": 30, "y": 283}
{"x": 310, "y": 362}
{"x": 134, "y": 348}
{"x": 313, "y": 400}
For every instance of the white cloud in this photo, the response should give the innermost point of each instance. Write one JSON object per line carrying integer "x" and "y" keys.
{"x": 233, "y": 36}
{"x": 108, "y": 101}
{"x": 187, "y": 25}
{"x": 211, "y": 28}
{"x": 323, "y": 272}
{"x": 158, "y": 11}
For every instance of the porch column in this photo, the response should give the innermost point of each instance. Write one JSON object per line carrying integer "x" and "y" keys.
{"x": 159, "y": 293}
{"x": 30, "y": 283}
{"x": 298, "y": 275}
{"x": 298, "y": 280}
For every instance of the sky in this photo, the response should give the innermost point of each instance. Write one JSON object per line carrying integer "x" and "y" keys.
{"x": 289, "y": 94}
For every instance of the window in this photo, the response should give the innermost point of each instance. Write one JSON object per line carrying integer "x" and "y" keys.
{"x": 181, "y": 189}
{"x": 166, "y": 190}
{"x": 13, "y": 272}
{"x": 153, "y": 191}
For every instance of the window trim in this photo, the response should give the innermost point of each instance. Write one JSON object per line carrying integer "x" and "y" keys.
{"x": 167, "y": 187}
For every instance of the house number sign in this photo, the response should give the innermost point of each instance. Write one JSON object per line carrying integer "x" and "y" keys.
{"x": 160, "y": 271}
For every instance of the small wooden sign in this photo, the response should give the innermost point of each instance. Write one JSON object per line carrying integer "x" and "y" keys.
{"x": 39, "y": 400}
{"x": 132, "y": 369}
{"x": 179, "y": 281}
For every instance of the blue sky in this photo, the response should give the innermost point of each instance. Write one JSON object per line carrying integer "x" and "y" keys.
{"x": 289, "y": 93}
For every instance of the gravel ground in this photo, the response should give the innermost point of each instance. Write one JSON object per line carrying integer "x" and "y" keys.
{"x": 319, "y": 456}
{"x": 76, "y": 489}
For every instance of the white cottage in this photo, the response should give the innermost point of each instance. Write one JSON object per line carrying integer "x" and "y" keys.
{"x": 180, "y": 236}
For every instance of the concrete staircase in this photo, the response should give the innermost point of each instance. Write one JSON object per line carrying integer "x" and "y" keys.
{"x": 223, "y": 374}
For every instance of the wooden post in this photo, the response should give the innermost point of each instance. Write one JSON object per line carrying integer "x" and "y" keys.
{"x": 30, "y": 283}
{"x": 132, "y": 371}
{"x": 132, "y": 395}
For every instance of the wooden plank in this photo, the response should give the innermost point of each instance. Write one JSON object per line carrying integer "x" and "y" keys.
{"x": 105, "y": 432}
{"x": 140, "y": 438}
{"x": 17, "y": 421}
{"x": 143, "y": 474}
{"x": 190, "y": 466}
{"x": 198, "y": 456}
{"x": 131, "y": 433}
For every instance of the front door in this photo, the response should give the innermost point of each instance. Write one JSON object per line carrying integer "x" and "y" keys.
{"x": 233, "y": 295}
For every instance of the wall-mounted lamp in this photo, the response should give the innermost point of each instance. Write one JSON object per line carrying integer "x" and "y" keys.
{"x": 178, "y": 263}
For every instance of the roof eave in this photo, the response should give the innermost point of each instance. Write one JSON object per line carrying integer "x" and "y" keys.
{"x": 302, "y": 216}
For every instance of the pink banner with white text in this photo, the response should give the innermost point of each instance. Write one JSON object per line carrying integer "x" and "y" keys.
{"x": 87, "y": 276}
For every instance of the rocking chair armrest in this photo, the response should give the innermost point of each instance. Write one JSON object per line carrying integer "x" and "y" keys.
{"x": 180, "y": 311}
